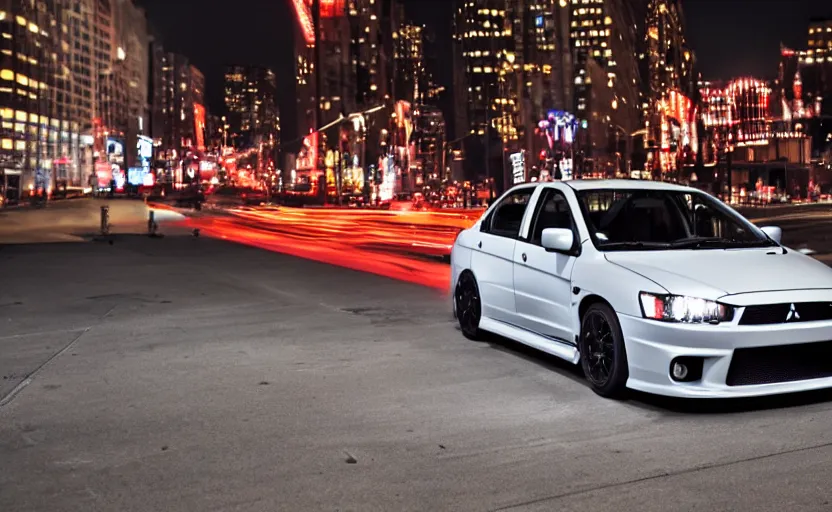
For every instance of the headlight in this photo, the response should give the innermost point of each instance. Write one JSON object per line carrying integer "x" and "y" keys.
{"x": 675, "y": 308}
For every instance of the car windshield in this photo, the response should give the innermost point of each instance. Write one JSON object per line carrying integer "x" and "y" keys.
{"x": 643, "y": 220}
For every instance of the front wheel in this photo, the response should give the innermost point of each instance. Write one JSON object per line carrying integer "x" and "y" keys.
{"x": 467, "y": 305}
{"x": 603, "y": 355}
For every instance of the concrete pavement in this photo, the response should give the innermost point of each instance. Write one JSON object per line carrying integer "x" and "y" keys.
{"x": 183, "y": 374}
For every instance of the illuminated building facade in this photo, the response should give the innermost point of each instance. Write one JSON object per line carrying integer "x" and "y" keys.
{"x": 670, "y": 85}
{"x": 485, "y": 32}
{"x": 804, "y": 86}
{"x": 429, "y": 146}
{"x": 542, "y": 32}
{"x": 40, "y": 136}
{"x": 372, "y": 40}
{"x": 739, "y": 113}
{"x": 304, "y": 63}
{"x": 607, "y": 81}
{"x": 337, "y": 78}
{"x": 820, "y": 33}
{"x": 411, "y": 77}
{"x": 183, "y": 103}
{"x": 250, "y": 105}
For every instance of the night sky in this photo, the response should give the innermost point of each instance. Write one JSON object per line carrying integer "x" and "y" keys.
{"x": 730, "y": 37}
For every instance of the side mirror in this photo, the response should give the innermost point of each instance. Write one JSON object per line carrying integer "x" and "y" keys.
{"x": 773, "y": 232}
{"x": 557, "y": 240}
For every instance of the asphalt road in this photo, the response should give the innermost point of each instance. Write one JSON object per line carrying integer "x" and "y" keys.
{"x": 183, "y": 374}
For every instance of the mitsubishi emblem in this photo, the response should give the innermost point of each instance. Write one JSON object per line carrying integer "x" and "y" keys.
{"x": 793, "y": 314}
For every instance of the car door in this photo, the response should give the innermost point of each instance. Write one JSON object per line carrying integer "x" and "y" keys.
{"x": 492, "y": 259}
{"x": 543, "y": 279}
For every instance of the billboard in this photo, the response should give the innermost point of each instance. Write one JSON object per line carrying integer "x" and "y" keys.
{"x": 307, "y": 160}
{"x": 559, "y": 127}
{"x": 199, "y": 126}
{"x": 518, "y": 167}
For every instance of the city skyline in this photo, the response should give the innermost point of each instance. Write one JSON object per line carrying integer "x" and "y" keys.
{"x": 750, "y": 32}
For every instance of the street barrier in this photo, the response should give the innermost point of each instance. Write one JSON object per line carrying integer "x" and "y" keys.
{"x": 152, "y": 226}
{"x": 105, "y": 220}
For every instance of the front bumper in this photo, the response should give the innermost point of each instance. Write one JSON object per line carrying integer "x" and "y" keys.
{"x": 651, "y": 346}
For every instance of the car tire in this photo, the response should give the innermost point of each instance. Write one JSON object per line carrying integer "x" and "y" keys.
{"x": 467, "y": 305}
{"x": 603, "y": 354}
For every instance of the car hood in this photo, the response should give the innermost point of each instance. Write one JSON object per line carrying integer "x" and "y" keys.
{"x": 710, "y": 274}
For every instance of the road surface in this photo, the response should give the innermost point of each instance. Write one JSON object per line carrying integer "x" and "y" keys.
{"x": 185, "y": 373}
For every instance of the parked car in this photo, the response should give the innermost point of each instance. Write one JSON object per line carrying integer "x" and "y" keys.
{"x": 649, "y": 286}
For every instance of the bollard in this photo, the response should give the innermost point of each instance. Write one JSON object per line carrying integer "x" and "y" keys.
{"x": 151, "y": 223}
{"x": 105, "y": 220}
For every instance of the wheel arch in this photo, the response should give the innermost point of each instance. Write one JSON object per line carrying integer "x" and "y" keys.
{"x": 588, "y": 301}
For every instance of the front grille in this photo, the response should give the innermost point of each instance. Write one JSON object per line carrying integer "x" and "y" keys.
{"x": 787, "y": 313}
{"x": 782, "y": 363}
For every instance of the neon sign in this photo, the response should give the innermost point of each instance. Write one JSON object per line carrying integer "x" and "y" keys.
{"x": 332, "y": 8}
{"x": 305, "y": 20}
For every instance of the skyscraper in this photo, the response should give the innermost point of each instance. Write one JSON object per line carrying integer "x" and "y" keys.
{"x": 411, "y": 83}
{"x": 820, "y": 33}
{"x": 182, "y": 107}
{"x": 669, "y": 66}
{"x": 603, "y": 34}
{"x": 250, "y": 104}
{"x": 40, "y": 137}
{"x": 305, "y": 73}
{"x": 373, "y": 29}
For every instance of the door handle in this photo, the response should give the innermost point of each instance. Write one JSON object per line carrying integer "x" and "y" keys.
{"x": 524, "y": 257}
{"x": 479, "y": 245}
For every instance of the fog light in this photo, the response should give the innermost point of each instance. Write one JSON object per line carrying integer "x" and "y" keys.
{"x": 680, "y": 371}
{"x": 686, "y": 369}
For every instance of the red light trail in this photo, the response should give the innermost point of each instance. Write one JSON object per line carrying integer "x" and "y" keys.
{"x": 400, "y": 245}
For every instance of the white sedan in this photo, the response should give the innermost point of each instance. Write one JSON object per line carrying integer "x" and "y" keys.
{"x": 650, "y": 286}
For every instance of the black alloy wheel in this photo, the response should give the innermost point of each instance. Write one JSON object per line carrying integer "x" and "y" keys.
{"x": 603, "y": 355}
{"x": 467, "y": 305}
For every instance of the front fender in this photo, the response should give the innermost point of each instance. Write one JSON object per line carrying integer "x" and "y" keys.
{"x": 595, "y": 276}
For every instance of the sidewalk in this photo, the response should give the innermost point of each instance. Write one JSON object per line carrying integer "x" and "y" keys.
{"x": 76, "y": 221}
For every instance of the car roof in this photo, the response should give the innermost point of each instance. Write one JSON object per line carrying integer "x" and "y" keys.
{"x": 625, "y": 185}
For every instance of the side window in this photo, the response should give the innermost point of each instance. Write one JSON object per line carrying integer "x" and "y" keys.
{"x": 507, "y": 216}
{"x": 553, "y": 212}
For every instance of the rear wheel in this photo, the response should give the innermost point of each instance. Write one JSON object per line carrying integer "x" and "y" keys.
{"x": 467, "y": 305}
{"x": 603, "y": 355}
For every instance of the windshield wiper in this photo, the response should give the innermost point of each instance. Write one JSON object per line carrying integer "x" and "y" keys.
{"x": 634, "y": 245}
{"x": 717, "y": 243}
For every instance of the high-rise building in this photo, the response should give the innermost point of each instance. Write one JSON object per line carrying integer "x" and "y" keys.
{"x": 250, "y": 105}
{"x": 430, "y": 144}
{"x": 542, "y": 31}
{"x": 337, "y": 80}
{"x": 669, "y": 66}
{"x": 182, "y": 108}
{"x": 411, "y": 83}
{"x": 485, "y": 33}
{"x": 518, "y": 69}
{"x": 157, "y": 89}
{"x": 603, "y": 34}
{"x": 820, "y": 33}
{"x": 40, "y": 137}
{"x": 373, "y": 30}
{"x": 305, "y": 79}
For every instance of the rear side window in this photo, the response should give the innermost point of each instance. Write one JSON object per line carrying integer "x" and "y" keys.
{"x": 507, "y": 217}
